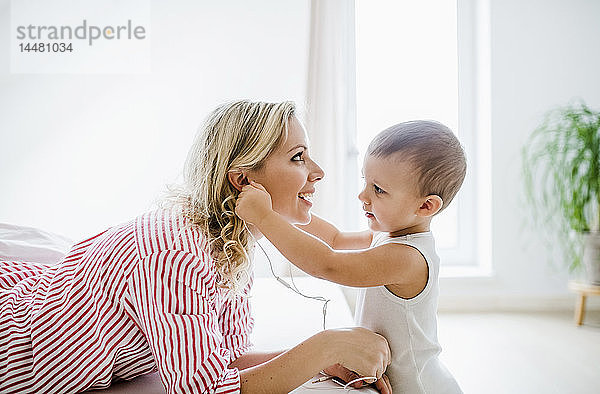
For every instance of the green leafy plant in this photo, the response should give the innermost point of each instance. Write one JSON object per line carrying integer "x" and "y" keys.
{"x": 561, "y": 168}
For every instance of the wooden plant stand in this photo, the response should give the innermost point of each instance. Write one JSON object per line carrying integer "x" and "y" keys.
{"x": 583, "y": 290}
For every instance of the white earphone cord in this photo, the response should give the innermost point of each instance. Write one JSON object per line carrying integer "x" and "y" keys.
{"x": 295, "y": 289}
{"x": 293, "y": 285}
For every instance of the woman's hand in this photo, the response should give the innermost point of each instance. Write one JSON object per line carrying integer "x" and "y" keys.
{"x": 253, "y": 203}
{"x": 361, "y": 350}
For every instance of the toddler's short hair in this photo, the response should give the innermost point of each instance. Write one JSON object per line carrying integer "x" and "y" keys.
{"x": 432, "y": 149}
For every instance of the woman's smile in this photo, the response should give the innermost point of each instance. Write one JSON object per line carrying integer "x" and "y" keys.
{"x": 306, "y": 197}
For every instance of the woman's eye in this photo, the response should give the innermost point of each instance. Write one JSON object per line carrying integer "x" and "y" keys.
{"x": 378, "y": 190}
{"x": 297, "y": 157}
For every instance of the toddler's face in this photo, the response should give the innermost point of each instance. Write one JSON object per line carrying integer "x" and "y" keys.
{"x": 389, "y": 196}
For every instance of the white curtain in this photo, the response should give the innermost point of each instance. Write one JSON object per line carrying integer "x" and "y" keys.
{"x": 331, "y": 109}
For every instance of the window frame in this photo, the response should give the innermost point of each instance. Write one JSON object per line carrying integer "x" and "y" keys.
{"x": 472, "y": 255}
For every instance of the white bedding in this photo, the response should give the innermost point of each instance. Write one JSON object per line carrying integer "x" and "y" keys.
{"x": 30, "y": 244}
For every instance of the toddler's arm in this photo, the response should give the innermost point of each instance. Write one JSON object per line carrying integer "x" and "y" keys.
{"x": 383, "y": 265}
{"x": 335, "y": 238}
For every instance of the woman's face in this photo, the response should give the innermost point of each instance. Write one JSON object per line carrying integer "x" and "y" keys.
{"x": 289, "y": 175}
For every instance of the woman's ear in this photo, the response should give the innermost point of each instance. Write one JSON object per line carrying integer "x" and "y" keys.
{"x": 238, "y": 179}
{"x": 430, "y": 206}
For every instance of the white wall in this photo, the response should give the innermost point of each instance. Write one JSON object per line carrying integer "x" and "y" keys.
{"x": 543, "y": 54}
{"x": 83, "y": 152}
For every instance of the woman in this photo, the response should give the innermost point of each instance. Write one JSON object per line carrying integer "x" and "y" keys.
{"x": 167, "y": 290}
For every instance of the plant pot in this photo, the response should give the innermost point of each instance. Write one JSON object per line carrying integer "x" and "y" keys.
{"x": 591, "y": 256}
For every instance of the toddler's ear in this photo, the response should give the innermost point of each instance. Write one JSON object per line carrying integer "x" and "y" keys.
{"x": 238, "y": 179}
{"x": 430, "y": 206}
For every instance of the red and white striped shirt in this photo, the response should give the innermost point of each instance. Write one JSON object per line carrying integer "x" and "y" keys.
{"x": 138, "y": 297}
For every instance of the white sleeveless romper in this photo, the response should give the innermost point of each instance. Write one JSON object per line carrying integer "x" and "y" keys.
{"x": 409, "y": 325}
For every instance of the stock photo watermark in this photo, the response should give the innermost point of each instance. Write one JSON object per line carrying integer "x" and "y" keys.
{"x": 62, "y": 36}
{"x": 85, "y": 31}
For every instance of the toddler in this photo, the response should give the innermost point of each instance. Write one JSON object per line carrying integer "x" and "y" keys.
{"x": 412, "y": 171}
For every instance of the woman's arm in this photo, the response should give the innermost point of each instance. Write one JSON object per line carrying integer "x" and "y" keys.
{"x": 357, "y": 349}
{"x": 335, "y": 238}
{"x": 253, "y": 358}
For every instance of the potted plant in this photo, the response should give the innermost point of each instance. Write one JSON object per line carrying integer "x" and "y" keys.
{"x": 561, "y": 168}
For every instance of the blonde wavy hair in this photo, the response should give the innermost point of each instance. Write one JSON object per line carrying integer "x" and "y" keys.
{"x": 236, "y": 135}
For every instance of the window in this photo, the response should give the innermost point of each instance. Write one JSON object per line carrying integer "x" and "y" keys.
{"x": 423, "y": 60}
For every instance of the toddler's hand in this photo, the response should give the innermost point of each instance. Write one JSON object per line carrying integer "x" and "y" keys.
{"x": 344, "y": 373}
{"x": 382, "y": 385}
{"x": 253, "y": 203}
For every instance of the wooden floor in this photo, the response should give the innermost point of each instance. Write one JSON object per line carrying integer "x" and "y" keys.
{"x": 522, "y": 353}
